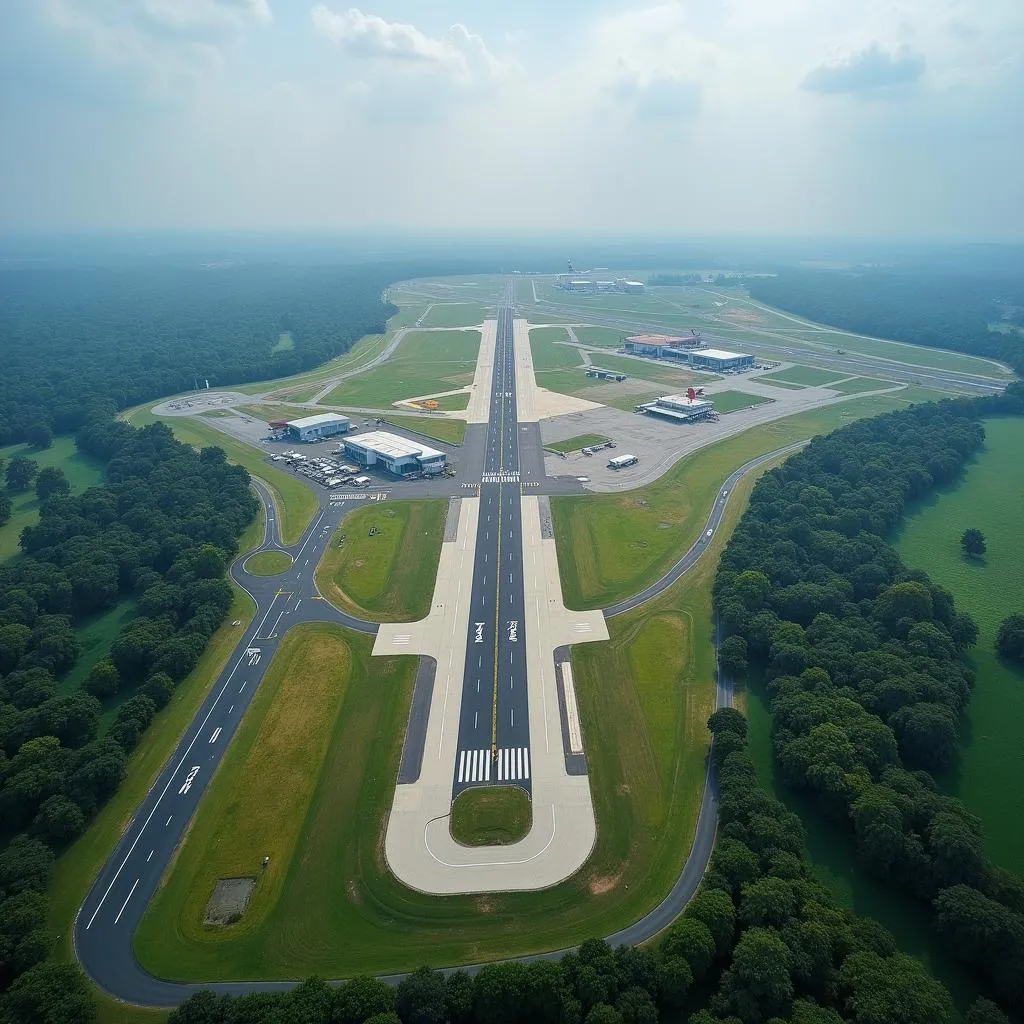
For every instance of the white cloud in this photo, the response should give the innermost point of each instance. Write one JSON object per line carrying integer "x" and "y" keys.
{"x": 872, "y": 70}
{"x": 457, "y": 54}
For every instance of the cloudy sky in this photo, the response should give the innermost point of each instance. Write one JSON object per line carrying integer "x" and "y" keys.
{"x": 886, "y": 118}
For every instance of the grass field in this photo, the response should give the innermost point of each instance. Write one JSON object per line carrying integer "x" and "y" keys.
{"x": 601, "y": 337}
{"x": 574, "y": 444}
{"x": 609, "y": 546}
{"x": 990, "y": 776}
{"x": 661, "y": 373}
{"x": 76, "y": 868}
{"x": 444, "y": 429}
{"x": 566, "y": 382}
{"x": 425, "y": 363}
{"x": 81, "y": 470}
{"x": 859, "y": 384}
{"x": 389, "y": 575}
{"x": 296, "y": 503}
{"x": 491, "y": 816}
{"x": 285, "y": 343}
{"x": 268, "y": 563}
{"x": 776, "y": 383}
{"x": 341, "y": 913}
{"x": 282, "y": 741}
{"x": 807, "y": 376}
{"x": 454, "y": 314}
{"x": 548, "y": 354}
{"x": 453, "y": 403}
{"x": 730, "y": 401}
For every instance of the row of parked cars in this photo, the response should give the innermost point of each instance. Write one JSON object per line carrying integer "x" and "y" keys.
{"x": 325, "y": 471}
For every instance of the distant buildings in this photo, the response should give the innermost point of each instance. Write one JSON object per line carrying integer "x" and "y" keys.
{"x": 591, "y": 286}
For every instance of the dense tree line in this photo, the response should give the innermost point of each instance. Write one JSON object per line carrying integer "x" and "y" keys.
{"x": 863, "y": 659}
{"x": 761, "y": 942}
{"x": 951, "y": 311}
{"x": 160, "y": 532}
{"x": 114, "y": 336}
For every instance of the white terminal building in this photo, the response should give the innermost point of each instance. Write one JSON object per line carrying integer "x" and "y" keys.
{"x": 312, "y": 428}
{"x": 680, "y": 408}
{"x": 396, "y": 454}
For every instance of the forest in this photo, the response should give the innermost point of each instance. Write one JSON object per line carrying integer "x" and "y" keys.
{"x": 864, "y": 665}
{"x": 78, "y": 339}
{"x": 951, "y": 311}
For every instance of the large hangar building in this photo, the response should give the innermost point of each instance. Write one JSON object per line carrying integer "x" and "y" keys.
{"x": 313, "y": 428}
{"x": 719, "y": 360}
{"x": 396, "y": 454}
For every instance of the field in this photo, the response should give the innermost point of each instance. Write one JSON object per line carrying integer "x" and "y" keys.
{"x": 425, "y": 363}
{"x": 453, "y": 403}
{"x": 268, "y": 563}
{"x": 79, "y": 864}
{"x": 610, "y": 546}
{"x": 661, "y": 373}
{"x": 808, "y": 376}
{"x": 549, "y": 354}
{"x": 81, "y": 470}
{"x": 296, "y": 503}
{"x": 574, "y": 444}
{"x": 491, "y": 816}
{"x": 730, "y": 401}
{"x": 381, "y": 562}
{"x": 341, "y": 913}
{"x": 453, "y": 314}
{"x": 444, "y": 429}
{"x": 990, "y": 776}
{"x": 776, "y": 383}
{"x": 285, "y": 342}
{"x": 859, "y": 384}
{"x": 601, "y": 337}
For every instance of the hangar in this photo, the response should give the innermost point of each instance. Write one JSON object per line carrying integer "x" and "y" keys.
{"x": 312, "y": 428}
{"x": 681, "y": 408}
{"x": 396, "y": 454}
{"x": 719, "y": 360}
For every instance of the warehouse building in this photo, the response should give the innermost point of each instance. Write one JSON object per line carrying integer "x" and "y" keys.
{"x": 662, "y": 346}
{"x": 313, "y": 428}
{"x": 396, "y": 454}
{"x": 680, "y": 408}
{"x": 720, "y": 361}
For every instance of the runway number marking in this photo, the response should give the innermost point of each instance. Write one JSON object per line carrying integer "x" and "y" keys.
{"x": 253, "y": 654}
{"x": 479, "y": 638}
{"x": 189, "y": 779}
{"x": 513, "y": 630}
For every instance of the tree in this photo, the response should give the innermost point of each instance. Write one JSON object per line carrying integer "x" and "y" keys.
{"x": 602, "y": 1013}
{"x": 892, "y": 990}
{"x": 361, "y": 998}
{"x": 59, "y": 820}
{"x": 692, "y": 940}
{"x": 984, "y": 1011}
{"x": 25, "y": 864}
{"x": 103, "y": 680}
{"x": 39, "y": 435}
{"x": 715, "y": 909}
{"x": 757, "y": 984}
{"x": 420, "y": 998}
{"x": 20, "y": 473}
{"x": 973, "y": 542}
{"x": 1010, "y": 638}
{"x": 6, "y": 508}
{"x": 50, "y": 993}
{"x": 51, "y": 481}
{"x": 732, "y": 657}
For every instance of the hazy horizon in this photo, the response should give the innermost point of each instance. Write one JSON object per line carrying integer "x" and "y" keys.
{"x": 809, "y": 120}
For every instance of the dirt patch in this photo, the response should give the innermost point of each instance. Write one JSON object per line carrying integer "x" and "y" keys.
{"x": 229, "y": 901}
{"x": 600, "y": 884}
{"x": 485, "y": 904}
{"x": 353, "y": 892}
{"x": 664, "y": 526}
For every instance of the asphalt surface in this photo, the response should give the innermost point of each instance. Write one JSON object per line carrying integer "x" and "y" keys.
{"x": 494, "y": 723}
{"x": 107, "y": 920}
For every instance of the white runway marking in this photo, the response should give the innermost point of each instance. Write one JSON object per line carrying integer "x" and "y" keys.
{"x": 125, "y": 904}
{"x": 513, "y": 764}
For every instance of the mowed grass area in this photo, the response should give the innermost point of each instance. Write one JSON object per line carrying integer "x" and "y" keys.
{"x": 602, "y": 337}
{"x": 82, "y": 471}
{"x": 268, "y": 563}
{"x": 574, "y": 444}
{"x": 611, "y": 546}
{"x": 341, "y": 913}
{"x": 548, "y": 354}
{"x": 452, "y": 403}
{"x": 859, "y": 384}
{"x": 776, "y": 383}
{"x": 491, "y": 816}
{"x": 381, "y": 562}
{"x": 425, "y": 363}
{"x": 285, "y": 342}
{"x": 296, "y": 503}
{"x": 807, "y": 376}
{"x": 661, "y": 373}
{"x": 730, "y": 401}
{"x": 443, "y": 428}
{"x": 454, "y": 314}
{"x": 258, "y": 800}
{"x": 79, "y": 864}
{"x": 990, "y": 496}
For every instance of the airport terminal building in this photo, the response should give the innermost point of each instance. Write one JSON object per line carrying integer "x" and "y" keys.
{"x": 680, "y": 408}
{"x": 396, "y": 454}
{"x": 313, "y": 428}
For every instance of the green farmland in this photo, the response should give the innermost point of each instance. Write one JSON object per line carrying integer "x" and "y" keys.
{"x": 81, "y": 470}
{"x": 990, "y": 777}
{"x": 427, "y": 362}
{"x": 381, "y": 562}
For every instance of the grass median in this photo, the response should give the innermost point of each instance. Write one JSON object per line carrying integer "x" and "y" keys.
{"x": 268, "y": 563}
{"x": 574, "y": 444}
{"x": 381, "y": 562}
{"x": 491, "y": 816}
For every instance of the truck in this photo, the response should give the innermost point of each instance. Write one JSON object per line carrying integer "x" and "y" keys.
{"x": 622, "y": 461}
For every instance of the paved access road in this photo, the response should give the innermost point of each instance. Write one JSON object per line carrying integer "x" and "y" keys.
{"x": 494, "y": 723}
